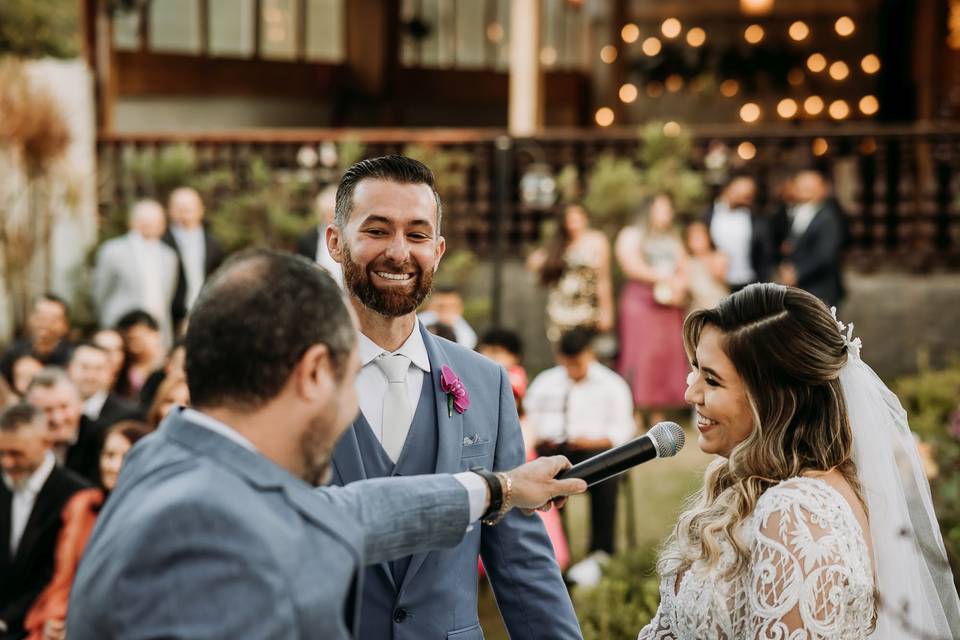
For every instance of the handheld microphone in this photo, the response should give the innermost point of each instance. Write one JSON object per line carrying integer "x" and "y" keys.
{"x": 662, "y": 441}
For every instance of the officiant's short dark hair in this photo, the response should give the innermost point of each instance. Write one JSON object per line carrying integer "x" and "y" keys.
{"x": 253, "y": 322}
{"x": 400, "y": 169}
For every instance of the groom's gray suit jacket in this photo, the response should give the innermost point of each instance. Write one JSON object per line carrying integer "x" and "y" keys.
{"x": 433, "y": 595}
{"x": 203, "y": 538}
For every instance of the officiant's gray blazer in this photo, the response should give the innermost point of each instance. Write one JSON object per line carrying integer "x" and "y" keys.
{"x": 203, "y": 538}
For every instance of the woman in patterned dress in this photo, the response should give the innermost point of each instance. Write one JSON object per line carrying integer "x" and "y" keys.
{"x": 575, "y": 269}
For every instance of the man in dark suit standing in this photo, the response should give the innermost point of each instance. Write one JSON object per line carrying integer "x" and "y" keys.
{"x": 312, "y": 245}
{"x": 74, "y": 438}
{"x": 32, "y": 496}
{"x": 92, "y": 373}
{"x": 811, "y": 251}
{"x": 198, "y": 251}
{"x": 741, "y": 232}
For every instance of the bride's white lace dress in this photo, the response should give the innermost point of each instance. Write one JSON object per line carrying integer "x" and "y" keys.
{"x": 809, "y": 576}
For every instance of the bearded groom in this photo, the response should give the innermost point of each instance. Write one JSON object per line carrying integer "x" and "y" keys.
{"x": 430, "y": 406}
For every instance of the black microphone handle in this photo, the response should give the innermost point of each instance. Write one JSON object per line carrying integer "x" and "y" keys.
{"x": 612, "y": 462}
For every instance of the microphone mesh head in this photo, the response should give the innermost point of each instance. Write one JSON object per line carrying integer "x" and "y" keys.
{"x": 668, "y": 438}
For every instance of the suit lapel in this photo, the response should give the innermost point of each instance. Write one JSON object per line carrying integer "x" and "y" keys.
{"x": 45, "y": 509}
{"x": 6, "y": 521}
{"x": 347, "y": 462}
{"x": 449, "y": 431}
{"x": 348, "y": 465}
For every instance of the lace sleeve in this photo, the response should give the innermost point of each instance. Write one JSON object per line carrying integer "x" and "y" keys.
{"x": 800, "y": 566}
{"x": 660, "y": 628}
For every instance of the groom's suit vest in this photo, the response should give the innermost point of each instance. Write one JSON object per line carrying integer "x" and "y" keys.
{"x": 418, "y": 457}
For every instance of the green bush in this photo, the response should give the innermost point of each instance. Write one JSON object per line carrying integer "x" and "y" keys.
{"x": 40, "y": 28}
{"x": 623, "y": 602}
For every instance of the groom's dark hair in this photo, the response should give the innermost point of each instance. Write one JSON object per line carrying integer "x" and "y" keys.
{"x": 252, "y": 323}
{"x": 400, "y": 169}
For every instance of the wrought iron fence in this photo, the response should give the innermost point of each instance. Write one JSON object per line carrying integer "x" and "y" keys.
{"x": 900, "y": 185}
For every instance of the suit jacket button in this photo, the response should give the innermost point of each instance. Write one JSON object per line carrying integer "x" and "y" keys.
{"x": 399, "y": 615}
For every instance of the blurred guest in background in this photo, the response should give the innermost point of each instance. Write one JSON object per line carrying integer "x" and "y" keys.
{"x": 706, "y": 268}
{"x": 172, "y": 366}
{"x": 581, "y": 408}
{"x": 652, "y": 359}
{"x": 33, "y": 493}
{"x": 575, "y": 269}
{"x": 812, "y": 251}
{"x": 48, "y": 326}
{"x": 199, "y": 253}
{"x": 505, "y": 347}
{"x": 446, "y": 306}
{"x": 137, "y": 271}
{"x": 741, "y": 232}
{"x": 111, "y": 341}
{"x": 73, "y": 436}
{"x": 92, "y": 373}
{"x": 46, "y": 619}
{"x": 22, "y": 370}
{"x": 173, "y": 392}
{"x": 313, "y": 244}
{"x": 143, "y": 351}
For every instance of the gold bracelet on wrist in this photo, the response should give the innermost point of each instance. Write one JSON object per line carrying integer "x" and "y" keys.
{"x": 506, "y": 484}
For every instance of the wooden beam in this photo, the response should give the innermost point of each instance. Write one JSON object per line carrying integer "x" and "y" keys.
{"x": 161, "y": 74}
{"x": 526, "y": 104}
{"x": 372, "y": 45}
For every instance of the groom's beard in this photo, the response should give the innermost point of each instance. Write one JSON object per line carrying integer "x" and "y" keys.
{"x": 391, "y": 304}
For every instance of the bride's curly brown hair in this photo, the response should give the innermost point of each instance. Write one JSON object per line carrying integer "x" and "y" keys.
{"x": 787, "y": 348}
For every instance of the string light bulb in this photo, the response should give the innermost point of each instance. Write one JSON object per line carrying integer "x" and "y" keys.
{"x": 753, "y": 34}
{"x": 696, "y": 37}
{"x": 844, "y": 26}
{"x": 630, "y": 33}
{"x": 750, "y": 112}
{"x": 798, "y": 31}
{"x": 671, "y": 28}
{"x": 604, "y": 116}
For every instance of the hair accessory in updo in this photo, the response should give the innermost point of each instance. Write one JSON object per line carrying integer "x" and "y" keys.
{"x": 846, "y": 332}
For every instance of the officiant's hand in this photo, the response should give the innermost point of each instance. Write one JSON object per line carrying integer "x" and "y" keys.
{"x": 535, "y": 486}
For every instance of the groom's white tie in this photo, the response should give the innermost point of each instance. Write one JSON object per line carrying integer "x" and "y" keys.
{"x": 396, "y": 404}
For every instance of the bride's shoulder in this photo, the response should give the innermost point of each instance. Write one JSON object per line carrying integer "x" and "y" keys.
{"x": 815, "y": 495}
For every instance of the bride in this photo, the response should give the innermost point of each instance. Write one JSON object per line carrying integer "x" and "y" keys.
{"x": 815, "y": 520}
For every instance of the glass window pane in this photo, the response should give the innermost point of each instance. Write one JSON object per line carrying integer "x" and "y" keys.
{"x": 325, "y": 30}
{"x": 126, "y": 30}
{"x": 278, "y": 35}
{"x": 471, "y": 36}
{"x": 175, "y": 26}
{"x": 231, "y": 28}
{"x": 430, "y": 45}
{"x": 409, "y": 46}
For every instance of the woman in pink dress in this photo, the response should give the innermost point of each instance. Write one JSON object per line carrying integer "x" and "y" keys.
{"x": 652, "y": 359}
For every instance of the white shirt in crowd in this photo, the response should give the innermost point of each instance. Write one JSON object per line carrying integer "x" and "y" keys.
{"x": 732, "y": 233}
{"x": 24, "y": 498}
{"x": 598, "y": 406}
{"x": 325, "y": 260}
{"x": 193, "y": 253}
{"x": 150, "y": 262}
{"x": 803, "y": 215}
{"x": 93, "y": 405}
{"x": 465, "y": 334}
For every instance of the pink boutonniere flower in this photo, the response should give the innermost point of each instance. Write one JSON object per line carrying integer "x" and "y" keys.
{"x": 452, "y": 385}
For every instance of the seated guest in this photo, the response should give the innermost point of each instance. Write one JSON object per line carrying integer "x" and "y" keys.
{"x": 91, "y": 371}
{"x": 111, "y": 341}
{"x": 173, "y": 392}
{"x": 32, "y": 496}
{"x": 74, "y": 438}
{"x": 581, "y": 408}
{"x": 505, "y": 347}
{"x": 22, "y": 369}
{"x": 46, "y": 619}
{"x": 446, "y": 306}
{"x": 47, "y": 327}
{"x": 172, "y": 367}
{"x": 143, "y": 346}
